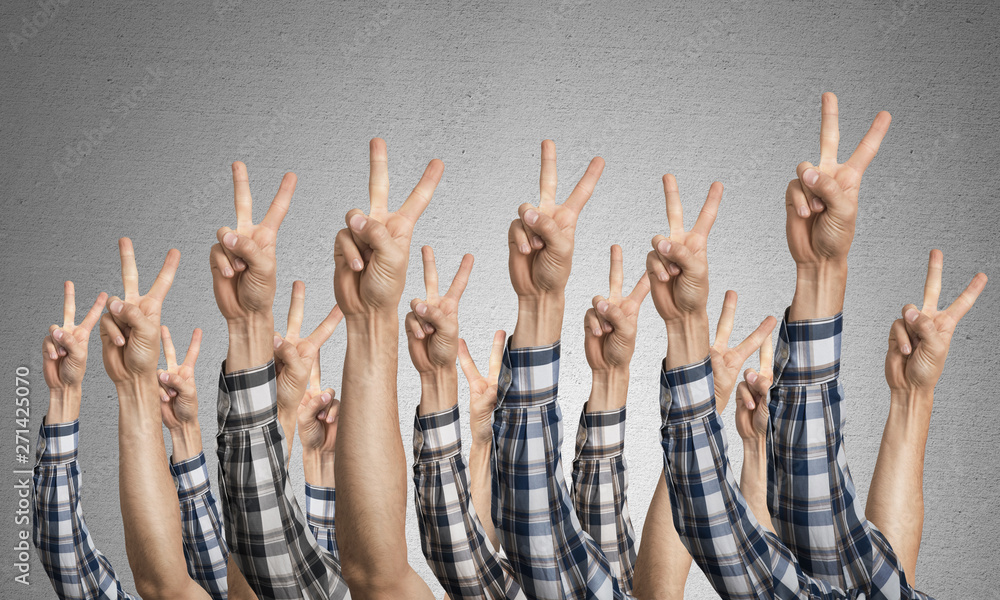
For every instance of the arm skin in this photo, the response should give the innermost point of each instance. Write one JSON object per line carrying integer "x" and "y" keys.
{"x": 149, "y": 501}
{"x": 918, "y": 346}
{"x": 368, "y": 286}
{"x": 600, "y": 473}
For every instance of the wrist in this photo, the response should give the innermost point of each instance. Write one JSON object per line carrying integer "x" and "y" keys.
{"x": 373, "y": 328}
{"x": 609, "y": 389}
{"x": 186, "y": 442}
{"x": 251, "y": 342}
{"x": 317, "y": 467}
{"x": 64, "y": 404}
{"x": 539, "y": 320}
{"x": 138, "y": 404}
{"x": 438, "y": 390}
{"x": 819, "y": 290}
{"x": 911, "y": 405}
{"x": 687, "y": 339}
{"x": 755, "y": 448}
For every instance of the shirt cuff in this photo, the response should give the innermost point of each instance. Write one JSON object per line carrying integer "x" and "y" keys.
{"x": 808, "y": 352}
{"x": 436, "y": 436}
{"x": 191, "y": 477}
{"x": 58, "y": 444}
{"x": 529, "y": 376}
{"x": 687, "y": 393}
{"x": 321, "y": 505}
{"x": 601, "y": 434}
{"x": 248, "y": 398}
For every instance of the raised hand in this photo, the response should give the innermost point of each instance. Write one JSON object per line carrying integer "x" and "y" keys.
{"x": 130, "y": 332}
{"x": 822, "y": 204}
{"x": 295, "y": 357}
{"x": 752, "y": 395}
{"x": 678, "y": 265}
{"x": 372, "y": 253}
{"x": 919, "y": 342}
{"x": 482, "y": 390}
{"x": 64, "y": 349}
{"x": 318, "y": 416}
{"x": 610, "y": 326}
{"x": 726, "y": 361}
{"x": 177, "y": 389}
{"x": 432, "y": 323}
{"x": 541, "y": 239}
{"x": 244, "y": 266}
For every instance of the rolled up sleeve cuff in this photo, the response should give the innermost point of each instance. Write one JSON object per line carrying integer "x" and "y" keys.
{"x": 321, "y": 505}
{"x": 58, "y": 444}
{"x": 437, "y": 436}
{"x": 528, "y": 377}
{"x": 248, "y": 398}
{"x": 687, "y": 393}
{"x": 808, "y": 352}
{"x": 191, "y": 477}
{"x": 601, "y": 435}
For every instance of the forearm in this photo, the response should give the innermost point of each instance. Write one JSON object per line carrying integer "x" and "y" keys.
{"x": 663, "y": 564}
{"x": 64, "y": 404}
{"x": 608, "y": 390}
{"x": 481, "y": 489}
{"x": 687, "y": 339}
{"x": 896, "y": 496}
{"x": 185, "y": 442}
{"x": 438, "y": 390}
{"x": 318, "y": 468}
{"x": 149, "y": 502}
{"x": 251, "y": 342}
{"x": 819, "y": 290}
{"x": 539, "y": 320}
{"x": 753, "y": 480}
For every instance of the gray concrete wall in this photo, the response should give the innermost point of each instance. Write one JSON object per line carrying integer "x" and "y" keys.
{"x": 121, "y": 118}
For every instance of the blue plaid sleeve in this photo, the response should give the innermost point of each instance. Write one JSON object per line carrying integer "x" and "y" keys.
{"x": 76, "y": 568}
{"x": 600, "y": 489}
{"x": 321, "y": 508}
{"x": 549, "y": 551}
{"x": 265, "y": 528}
{"x": 811, "y": 494}
{"x": 205, "y": 549}
{"x": 452, "y": 538}
{"x": 740, "y": 558}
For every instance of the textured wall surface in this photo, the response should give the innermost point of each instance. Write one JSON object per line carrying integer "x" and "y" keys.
{"x": 121, "y": 118}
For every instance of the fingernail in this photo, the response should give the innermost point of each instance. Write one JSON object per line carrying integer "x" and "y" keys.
{"x": 277, "y": 342}
{"x": 239, "y": 263}
{"x": 53, "y": 355}
{"x": 116, "y": 306}
{"x": 428, "y": 328}
{"x": 905, "y": 348}
{"x": 172, "y": 393}
{"x": 816, "y": 204}
{"x": 229, "y": 239}
{"x": 421, "y": 309}
{"x": 803, "y": 212}
{"x": 227, "y": 272}
{"x": 530, "y": 217}
{"x": 58, "y": 334}
{"x": 811, "y": 176}
{"x": 673, "y": 269}
{"x": 420, "y": 333}
{"x": 357, "y": 265}
{"x": 751, "y": 377}
{"x": 662, "y": 276}
{"x": 537, "y": 242}
{"x": 750, "y": 404}
{"x": 663, "y": 247}
{"x": 321, "y": 415}
{"x": 164, "y": 377}
{"x": 525, "y": 249}
{"x": 120, "y": 341}
{"x": 164, "y": 397}
{"x": 912, "y": 314}
{"x": 602, "y": 307}
{"x": 358, "y": 222}
{"x": 325, "y": 398}
{"x": 61, "y": 351}
{"x": 597, "y": 331}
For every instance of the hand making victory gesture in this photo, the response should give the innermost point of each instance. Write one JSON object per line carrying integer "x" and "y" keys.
{"x": 177, "y": 388}
{"x": 610, "y": 326}
{"x": 726, "y": 361}
{"x": 432, "y": 323}
{"x": 64, "y": 357}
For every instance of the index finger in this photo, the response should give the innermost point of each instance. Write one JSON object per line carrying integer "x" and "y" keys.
{"x": 421, "y": 195}
{"x": 496, "y": 355}
{"x": 675, "y": 211}
{"x": 932, "y": 286}
{"x": 706, "y": 218}
{"x": 378, "y": 179}
{"x": 766, "y": 352}
{"x": 194, "y": 348}
{"x": 168, "y": 348}
{"x": 868, "y": 147}
{"x": 640, "y": 290}
{"x": 468, "y": 365}
{"x": 461, "y": 280}
{"x": 724, "y": 329}
{"x": 616, "y": 275}
{"x": 241, "y": 196}
{"x": 69, "y": 304}
{"x": 94, "y": 314}
{"x": 327, "y": 326}
{"x": 430, "y": 273}
{"x": 296, "y": 308}
{"x": 165, "y": 278}
{"x": 130, "y": 274}
{"x": 282, "y": 200}
{"x": 547, "y": 179}
{"x": 314, "y": 374}
{"x": 829, "y": 131}
{"x": 964, "y": 302}
{"x": 585, "y": 187}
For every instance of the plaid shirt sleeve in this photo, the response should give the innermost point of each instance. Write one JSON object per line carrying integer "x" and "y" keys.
{"x": 265, "y": 528}
{"x": 75, "y": 566}
{"x": 600, "y": 489}
{"x": 321, "y": 508}
{"x": 741, "y": 559}
{"x": 205, "y": 549}
{"x": 811, "y": 495}
{"x": 452, "y": 538}
{"x": 549, "y": 551}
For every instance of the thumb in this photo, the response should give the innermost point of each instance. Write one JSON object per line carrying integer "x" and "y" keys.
{"x": 822, "y": 185}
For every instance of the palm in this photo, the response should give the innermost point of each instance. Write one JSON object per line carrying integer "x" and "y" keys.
{"x": 679, "y": 291}
{"x": 537, "y": 267}
{"x": 823, "y": 229}
{"x": 482, "y": 390}
{"x": 727, "y": 362}
{"x": 367, "y": 280}
{"x": 606, "y": 346}
{"x": 433, "y": 335}
{"x": 59, "y": 367}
